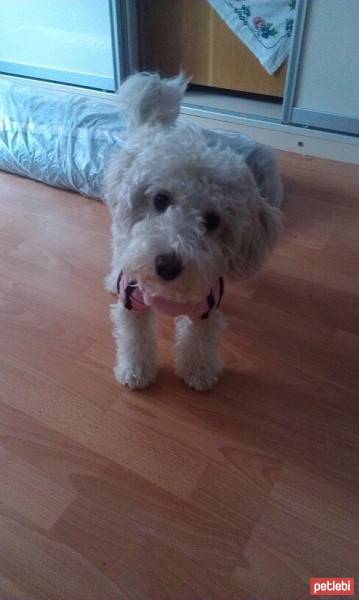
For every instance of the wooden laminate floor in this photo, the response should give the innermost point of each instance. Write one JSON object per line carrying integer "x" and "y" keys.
{"x": 241, "y": 493}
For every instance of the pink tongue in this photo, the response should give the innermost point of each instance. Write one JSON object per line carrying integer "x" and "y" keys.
{"x": 171, "y": 308}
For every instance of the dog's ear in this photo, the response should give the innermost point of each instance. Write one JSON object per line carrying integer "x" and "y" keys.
{"x": 114, "y": 176}
{"x": 257, "y": 239}
{"x": 148, "y": 99}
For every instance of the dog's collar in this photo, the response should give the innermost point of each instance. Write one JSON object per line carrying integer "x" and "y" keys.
{"x": 137, "y": 300}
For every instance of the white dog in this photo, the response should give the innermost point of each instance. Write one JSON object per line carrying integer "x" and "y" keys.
{"x": 189, "y": 207}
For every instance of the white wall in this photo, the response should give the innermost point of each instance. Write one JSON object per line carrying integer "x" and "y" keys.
{"x": 329, "y": 75}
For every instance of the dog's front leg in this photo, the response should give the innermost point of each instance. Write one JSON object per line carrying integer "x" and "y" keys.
{"x": 197, "y": 357}
{"x": 112, "y": 277}
{"x": 136, "y": 364}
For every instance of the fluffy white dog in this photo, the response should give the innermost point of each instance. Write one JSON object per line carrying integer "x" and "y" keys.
{"x": 189, "y": 207}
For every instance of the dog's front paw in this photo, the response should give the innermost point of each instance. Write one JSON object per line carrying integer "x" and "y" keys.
{"x": 200, "y": 377}
{"x": 136, "y": 377}
{"x": 111, "y": 283}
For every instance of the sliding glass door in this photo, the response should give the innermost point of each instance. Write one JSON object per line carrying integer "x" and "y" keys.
{"x": 66, "y": 41}
{"x": 323, "y": 75}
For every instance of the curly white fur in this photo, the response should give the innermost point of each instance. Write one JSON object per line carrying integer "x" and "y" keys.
{"x": 201, "y": 172}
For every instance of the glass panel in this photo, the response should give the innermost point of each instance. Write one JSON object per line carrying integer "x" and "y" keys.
{"x": 68, "y": 41}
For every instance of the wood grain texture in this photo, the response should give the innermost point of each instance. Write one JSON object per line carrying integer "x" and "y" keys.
{"x": 242, "y": 493}
{"x": 190, "y": 35}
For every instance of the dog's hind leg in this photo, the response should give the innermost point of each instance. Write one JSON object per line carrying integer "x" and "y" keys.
{"x": 136, "y": 364}
{"x": 197, "y": 356}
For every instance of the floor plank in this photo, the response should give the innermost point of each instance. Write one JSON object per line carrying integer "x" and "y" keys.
{"x": 243, "y": 493}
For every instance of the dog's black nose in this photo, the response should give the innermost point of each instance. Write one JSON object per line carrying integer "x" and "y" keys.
{"x": 168, "y": 266}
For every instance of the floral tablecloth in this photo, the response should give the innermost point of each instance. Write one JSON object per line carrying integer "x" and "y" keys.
{"x": 264, "y": 26}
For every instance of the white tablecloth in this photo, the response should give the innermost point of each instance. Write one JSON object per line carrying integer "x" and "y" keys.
{"x": 264, "y": 26}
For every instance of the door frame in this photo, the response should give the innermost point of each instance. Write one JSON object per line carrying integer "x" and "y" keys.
{"x": 125, "y": 37}
{"x": 294, "y": 61}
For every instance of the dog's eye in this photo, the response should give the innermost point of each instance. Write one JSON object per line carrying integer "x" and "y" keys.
{"x": 211, "y": 221}
{"x": 161, "y": 201}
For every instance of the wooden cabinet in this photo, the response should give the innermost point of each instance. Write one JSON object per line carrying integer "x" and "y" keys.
{"x": 189, "y": 34}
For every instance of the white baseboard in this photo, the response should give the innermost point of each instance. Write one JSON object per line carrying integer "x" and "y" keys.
{"x": 304, "y": 141}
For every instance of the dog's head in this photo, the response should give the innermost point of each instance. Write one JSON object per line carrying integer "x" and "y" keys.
{"x": 185, "y": 212}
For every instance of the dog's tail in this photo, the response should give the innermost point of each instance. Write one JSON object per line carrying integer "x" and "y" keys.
{"x": 148, "y": 99}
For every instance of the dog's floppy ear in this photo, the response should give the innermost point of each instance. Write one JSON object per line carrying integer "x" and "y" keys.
{"x": 113, "y": 177}
{"x": 148, "y": 99}
{"x": 258, "y": 239}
